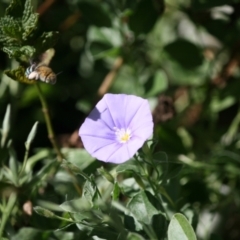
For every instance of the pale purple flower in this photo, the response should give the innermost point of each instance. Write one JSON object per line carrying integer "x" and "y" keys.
{"x": 117, "y": 127}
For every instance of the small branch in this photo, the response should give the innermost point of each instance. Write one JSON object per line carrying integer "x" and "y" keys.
{"x": 45, "y": 6}
{"x": 108, "y": 80}
{"x": 51, "y": 134}
{"x": 70, "y": 21}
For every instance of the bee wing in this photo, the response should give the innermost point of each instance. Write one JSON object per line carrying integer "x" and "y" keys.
{"x": 46, "y": 57}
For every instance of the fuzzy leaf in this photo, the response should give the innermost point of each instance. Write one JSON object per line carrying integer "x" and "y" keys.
{"x": 30, "y": 25}
{"x": 12, "y": 28}
{"x": 11, "y": 50}
{"x": 19, "y": 75}
{"x": 28, "y": 10}
{"x": 143, "y": 206}
{"x": 76, "y": 205}
{"x": 21, "y": 54}
{"x": 8, "y": 41}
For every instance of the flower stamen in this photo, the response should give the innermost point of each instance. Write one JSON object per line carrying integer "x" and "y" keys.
{"x": 123, "y": 135}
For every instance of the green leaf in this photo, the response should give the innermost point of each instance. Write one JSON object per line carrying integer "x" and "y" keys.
{"x": 22, "y": 54}
{"x": 11, "y": 28}
{"x": 185, "y": 53}
{"x": 171, "y": 170}
{"x": 27, "y": 233}
{"x": 156, "y": 84}
{"x": 29, "y": 20}
{"x": 30, "y": 25}
{"x": 116, "y": 191}
{"x": 79, "y": 157}
{"x": 130, "y": 165}
{"x": 104, "y": 42}
{"x": 90, "y": 191}
{"x": 44, "y": 212}
{"x": 6, "y": 125}
{"x": 160, "y": 157}
{"x": 104, "y": 35}
{"x": 19, "y": 75}
{"x": 180, "y": 229}
{"x": 76, "y": 205}
{"x": 99, "y": 50}
{"x": 106, "y": 174}
{"x": 144, "y": 17}
{"x": 159, "y": 225}
{"x": 13, "y": 166}
{"x": 31, "y": 135}
{"x": 134, "y": 236}
{"x": 41, "y": 175}
{"x": 8, "y": 41}
{"x": 105, "y": 233}
{"x": 28, "y": 9}
{"x": 143, "y": 206}
{"x": 11, "y": 50}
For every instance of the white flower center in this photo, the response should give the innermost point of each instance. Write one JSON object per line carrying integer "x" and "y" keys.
{"x": 123, "y": 135}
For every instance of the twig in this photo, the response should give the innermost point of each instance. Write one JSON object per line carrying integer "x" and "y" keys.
{"x": 45, "y": 6}
{"x": 70, "y": 21}
{"x": 51, "y": 134}
{"x": 108, "y": 80}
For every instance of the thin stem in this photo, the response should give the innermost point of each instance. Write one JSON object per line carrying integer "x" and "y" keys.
{"x": 51, "y": 134}
{"x": 149, "y": 157}
{"x": 108, "y": 80}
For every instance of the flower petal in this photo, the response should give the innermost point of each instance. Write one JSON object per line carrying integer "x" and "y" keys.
{"x": 116, "y": 104}
{"x": 116, "y": 112}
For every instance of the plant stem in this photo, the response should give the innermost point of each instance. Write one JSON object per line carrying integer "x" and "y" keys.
{"x": 149, "y": 157}
{"x": 51, "y": 134}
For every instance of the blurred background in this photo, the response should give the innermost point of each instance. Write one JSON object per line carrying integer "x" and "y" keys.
{"x": 182, "y": 55}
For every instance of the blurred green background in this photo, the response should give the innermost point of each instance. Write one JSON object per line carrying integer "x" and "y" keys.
{"x": 182, "y": 55}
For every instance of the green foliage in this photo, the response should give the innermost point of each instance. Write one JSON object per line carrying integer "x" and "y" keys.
{"x": 183, "y": 56}
{"x": 179, "y": 228}
{"x": 18, "y": 29}
{"x": 19, "y": 75}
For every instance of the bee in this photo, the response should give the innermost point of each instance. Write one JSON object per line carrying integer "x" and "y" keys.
{"x": 41, "y": 71}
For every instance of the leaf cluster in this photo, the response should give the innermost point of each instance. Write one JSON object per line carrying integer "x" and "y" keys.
{"x": 19, "y": 36}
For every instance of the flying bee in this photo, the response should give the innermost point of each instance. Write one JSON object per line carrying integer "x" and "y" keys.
{"x": 41, "y": 71}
